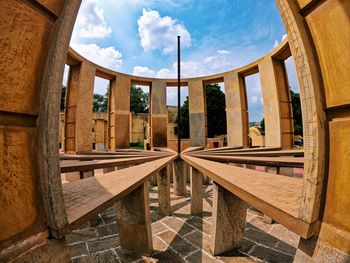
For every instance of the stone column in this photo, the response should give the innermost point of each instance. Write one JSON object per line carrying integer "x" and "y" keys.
{"x": 111, "y": 114}
{"x": 78, "y": 113}
{"x": 229, "y": 219}
{"x": 197, "y": 113}
{"x": 163, "y": 182}
{"x": 196, "y": 192}
{"x": 134, "y": 222}
{"x": 159, "y": 114}
{"x": 278, "y": 111}
{"x": 120, "y": 96}
{"x": 236, "y": 110}
{"x": 33, "y": 53}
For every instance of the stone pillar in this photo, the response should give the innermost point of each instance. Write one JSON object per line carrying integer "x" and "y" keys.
{"x": 163, "y": 182}
{"x": 134, "y": 222}
{"x": 236, "y": 110}
{"x": 111, "y": 114}
{"x": 278, "y": 111}
{"x": 159, "y": 114}
{"x": 78, "y": 113}
{"x": 196, "y": 192}
{"x": 229, "y": 219}
{"x": 120, "y": 90}
{"x": 179, "y": 178}
{"x": 197, "y": 113}
{"x": 32, "y": 61}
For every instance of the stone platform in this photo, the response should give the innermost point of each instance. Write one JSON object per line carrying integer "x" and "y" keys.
{"x": 182, "y": 237}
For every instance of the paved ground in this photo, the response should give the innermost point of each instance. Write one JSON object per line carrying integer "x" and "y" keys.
{"x": 183, "y": 238}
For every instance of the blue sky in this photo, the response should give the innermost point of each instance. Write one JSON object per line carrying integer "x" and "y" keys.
{"x": 139, "y": 37}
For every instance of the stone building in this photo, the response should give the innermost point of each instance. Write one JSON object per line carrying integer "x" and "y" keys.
{"x": 38, "y": 212}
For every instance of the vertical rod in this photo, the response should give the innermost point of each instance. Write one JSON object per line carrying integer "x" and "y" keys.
{"x": 178, "y": 96}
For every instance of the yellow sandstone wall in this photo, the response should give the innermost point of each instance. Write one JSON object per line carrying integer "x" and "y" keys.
{"x": 34, "y": 42}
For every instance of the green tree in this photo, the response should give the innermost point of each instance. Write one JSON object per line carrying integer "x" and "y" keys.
{"x": 216, "y": 113}
{"x": 138, "y": 100}
{"x": 63, "y": 98}
{"x": 216, "y": 110}
{"x": 262, "y": 126}
{"x": 298, "y": 120}
{"x": 185, "y": 120}
{"x": 100, "y": 103}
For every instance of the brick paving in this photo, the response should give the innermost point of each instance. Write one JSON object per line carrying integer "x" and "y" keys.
{"x": 182, "y": 237}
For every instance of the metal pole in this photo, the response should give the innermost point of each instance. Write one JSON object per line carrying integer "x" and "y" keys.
{"x": 178, "y": 95}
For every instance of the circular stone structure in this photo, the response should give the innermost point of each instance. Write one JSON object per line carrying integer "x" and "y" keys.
{"x": 34, "y": 49}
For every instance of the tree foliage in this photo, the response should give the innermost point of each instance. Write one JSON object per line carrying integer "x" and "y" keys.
{"x": 185, "y": 120}
{"x": 63, "y": 97}
{"x": 100, "y": 103}
{"x": 216, "y": 113}
{"x": 138, "y": 100}
{"x": 298, "y": 121}
{"x": 216, "y": 110}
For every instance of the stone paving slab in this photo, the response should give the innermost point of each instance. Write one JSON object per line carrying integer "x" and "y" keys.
{"x": 182, "y": 237}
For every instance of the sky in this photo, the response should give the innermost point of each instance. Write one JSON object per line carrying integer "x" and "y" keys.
{"x": 140, "y": 37}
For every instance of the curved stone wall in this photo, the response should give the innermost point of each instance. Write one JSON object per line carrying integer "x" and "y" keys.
{"x": 34, "y": 45}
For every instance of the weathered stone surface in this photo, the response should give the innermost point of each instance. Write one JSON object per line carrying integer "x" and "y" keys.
{"x": 200, "y": 257}
{"x": 133, "y": 220}
{"x": 180, "y": 245}
{"x": 106, "y": 230}
{"x": 81, "y": 235}
{"x": 78, "y": 249}
{"x": 229, "y": 214}
{"x": 270, "y": 255}
{"x": 196, "y": 192}
{"x": 180, "y": 227}
{"x": 198, "y": 239}
{"x": 158, "y": 227}
{"x": 163, "y": 182}
{"x": 200, "y": 224}
{"x": 102, "y": 244}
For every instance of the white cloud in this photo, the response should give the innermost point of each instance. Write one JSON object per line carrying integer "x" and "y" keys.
{"x": 208, "y": 59}
{"x": 224, "y": 52}
{"x": 107, "y": 57}
{"x": 165, "y": 73}
{"x": 277, "y": 42}
{"x": 143, "y": 72}
{"x": 91, "y": 22}
{"x": 158, "y": 32}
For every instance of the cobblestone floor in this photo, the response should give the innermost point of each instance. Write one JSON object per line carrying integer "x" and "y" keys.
{"x": 182, "y": 237}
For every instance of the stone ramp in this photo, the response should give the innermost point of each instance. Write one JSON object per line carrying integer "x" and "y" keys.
{"x": 182, "y": 237}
